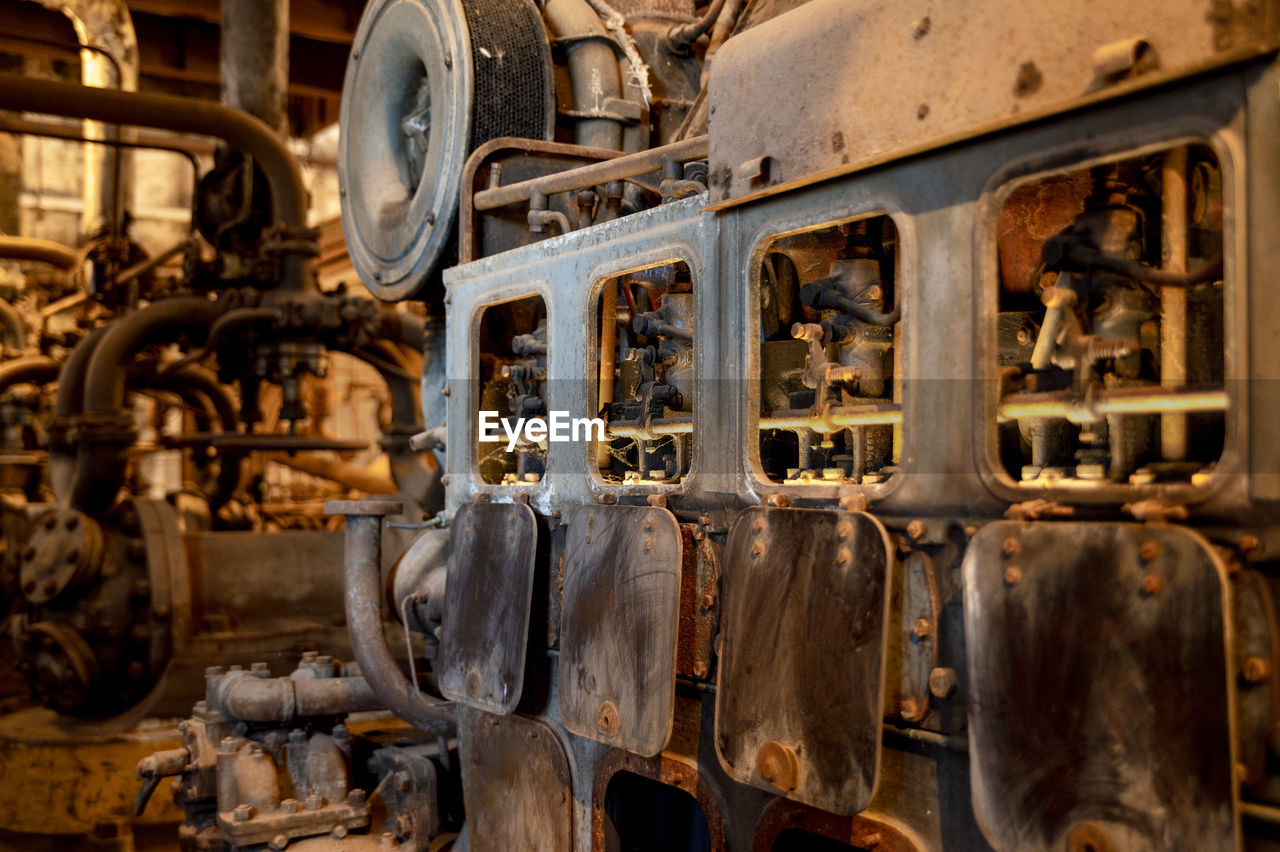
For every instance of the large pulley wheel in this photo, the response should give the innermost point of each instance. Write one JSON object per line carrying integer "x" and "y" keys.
{"x": 420, "y": 92}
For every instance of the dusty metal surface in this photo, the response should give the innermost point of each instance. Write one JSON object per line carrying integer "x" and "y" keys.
{"x": 803, "y": 590}
{"x": 516, "y": 782}
{"x": 909, "y": 77}
{"x": 70, "y": 778}
{"x": 493, "y": 550}
{"x": 616, "y": 682}
{"x": 1099, "y": 687}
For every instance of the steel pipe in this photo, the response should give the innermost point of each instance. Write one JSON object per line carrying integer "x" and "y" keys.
{"x": 38, "y": 251}
{"x": 1140, "y": 400}
{"x": 105, "y": 378}
{"x": 33, "y": 369}
{"x": 835, "y": 419}
{"x": 188, "y": 115}
{"x": 363, "y": 596}
{"x": 281, "y": 699}
{"x": 593, "y": 71}
{"x": 619, "y": 168}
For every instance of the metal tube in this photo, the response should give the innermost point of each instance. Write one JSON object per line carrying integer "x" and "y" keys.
{"x": 254, "y": 61}
{"x": 593, "y": 70}
{"x": 364, "y": 596}
{"x": 608, "y": 359}
{"x": 39, "y": 251}
{"x": 1173, "y": 300}
{"x": 189, "y": 115}
{"x": 105, "y": 378}
{"x": 595, "y": 174}
{"x": 1107, "y": 402}
{"x": 33, "y": 369}
{"x": 840, "y": 417}
{"x": 280, "y": 699}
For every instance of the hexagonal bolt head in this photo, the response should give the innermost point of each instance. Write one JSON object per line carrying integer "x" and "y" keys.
{"x": 315, "y": 802}
{"x": 1255, "y": 670}
{"x": 290, "y": 806}
{"x": 242, "y": 813}
{"x": 942, "y": 682}
{"x": 228, "y": 744}
{"x": 280, "y": 841}
{"x": 356, "y": 797}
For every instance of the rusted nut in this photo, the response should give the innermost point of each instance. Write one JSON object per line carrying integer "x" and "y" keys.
{"x": 922, "y": 628}
{"x": 1011, "y": 546}
{"x": 227, "y": 745}
{"x": 607, "y": 719}
{"x": 475, "y": 682}
{"x": 699, "y": 535}
{"x": 403, "y": 825}
{"x": 777, "y": 501}
{"x": 942, "y": 682}
{"x": 704, "y": 521}
{"x": 1255, "y": 670}
{"x": 339, "y": 831}
{"x": 260, "y": 668}
{"x": 290, "y": 806}
{"x": 242, "y": 813}
{"x": 1089, "y": 837}
{"x": 915, "y": 529}
{"x": 844, "y": 558}
{"x": 700, "y": 669}
{"x": 280, "y": 841}
{"x": 778, "y": 764}
{"x": 757, "y": 549}
{"x": 845, "y": 530}
{"x": 1152, "y": 584}
{"x": 315, "y": 802}
{"x": 1149, "y": 550}
{"x": 403, "y": 781}
{"x": 356, "y": 797}
{"x": 1012, "y": 575}
{"x": 708, "y": 601}
{"x": 909, "y": 709}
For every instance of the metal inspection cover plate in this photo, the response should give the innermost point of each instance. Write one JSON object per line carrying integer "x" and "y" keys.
{"x": 616, "y": 681}
{"x": 515, "y": 783}
{"x": 492, "y": 556}
{"x": 1098, "y": 687}
{"x": 801, "y": 689}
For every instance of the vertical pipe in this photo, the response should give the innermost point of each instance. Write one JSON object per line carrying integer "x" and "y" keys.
{"x": 255, "y": 59}
{"x": 608, "y": 359}
{"x": 1173, "y": 300}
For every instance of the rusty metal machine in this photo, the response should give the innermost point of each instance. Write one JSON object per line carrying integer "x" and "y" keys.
{"x": 934, "y": 499}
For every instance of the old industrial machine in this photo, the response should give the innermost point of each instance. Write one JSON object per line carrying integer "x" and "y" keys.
{"x": 935, "y": 498}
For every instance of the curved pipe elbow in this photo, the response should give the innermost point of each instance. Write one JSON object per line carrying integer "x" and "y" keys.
{"x": 363, "y": 598}
{"x": 105, "y": 378}
{"x": 33, "y": 369}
